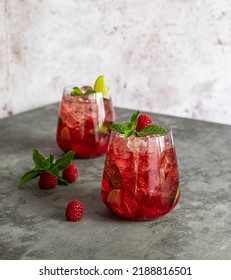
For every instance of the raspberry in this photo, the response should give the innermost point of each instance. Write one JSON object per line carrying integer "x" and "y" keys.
{"x": 70, "y": 174}
{"x": 47, "y": 181}
{"x": 74, "y": 211}
{"x": 89, "y": 125}
{"x": 143, "y": 121}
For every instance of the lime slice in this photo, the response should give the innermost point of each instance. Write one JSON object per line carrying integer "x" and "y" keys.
{"x": 101, "y": 86}
{"x": 177, "y": 195}
{"x": 65, "y": 135}
{"x": 114, "y": 197}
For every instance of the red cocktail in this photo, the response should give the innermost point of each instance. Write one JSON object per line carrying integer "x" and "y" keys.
{"x": 140, "y": 179}
{"x": 84, "y": 121}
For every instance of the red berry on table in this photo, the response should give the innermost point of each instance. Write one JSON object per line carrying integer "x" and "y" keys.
{"x": 74, "y": 211}
{"x": 143, "y": 121}
{"x": 71, "y": 173}
{"x": 47, "y": 181}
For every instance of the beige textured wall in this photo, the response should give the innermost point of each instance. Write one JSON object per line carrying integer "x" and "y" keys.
{"x": 165, "y": 56}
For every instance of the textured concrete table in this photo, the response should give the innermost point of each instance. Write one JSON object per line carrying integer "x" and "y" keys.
{"x": 32, "y": 221}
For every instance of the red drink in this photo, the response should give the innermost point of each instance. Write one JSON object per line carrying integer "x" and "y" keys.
{"x": 140, "y": 180}
{"x": 84, "y": 123}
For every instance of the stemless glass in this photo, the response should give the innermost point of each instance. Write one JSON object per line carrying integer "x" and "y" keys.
{"x": 140, "y": 178}
{"x": 83, "y": 124}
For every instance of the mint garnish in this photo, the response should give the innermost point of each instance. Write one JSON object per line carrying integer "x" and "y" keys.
{"x": 151, "y": 129}
{"x": 90, "y": 91}
{"x": 102, "y": 129}
{"x": 129, "y": 128}
{"x": 117, "y": 127}
{"x": 29, "y": 176}
{"x": 49, "y": 165}
{"x": 77, "y": 91}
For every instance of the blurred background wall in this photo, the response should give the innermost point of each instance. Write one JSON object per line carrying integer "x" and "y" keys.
{"x": 164, "y": 56}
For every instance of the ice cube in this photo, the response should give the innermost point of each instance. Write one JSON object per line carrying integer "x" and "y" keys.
{"x": 122, "y": 154}
{"x": 132, "y": 144}
{"x": 153, "y": 144}
{"x": 91, "y": 110}
{"x": 71, "y": 121}
{"x": 66, "y": 115}
{"x": 119, "y": 143}
{"x": 138, "y": 145}
{"x": 77, "y": 107}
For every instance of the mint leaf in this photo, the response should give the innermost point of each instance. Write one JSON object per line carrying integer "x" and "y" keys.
{"x": 46, "y": 164}
{"x": 90, "y": 91}
{"x": 76, "y": 91}
{"x": 151, "y": 129}
{"x": 64, "y": 161}
{"x": 54, "y": 171}
{"x": 49, "y": 165}
{"x": 128, "y": 133}
{"x": 135, "y": 116}
{"x": 51, "y": 158}
{"x": 117, "y": 127}
{"x": 29, "y": 176}
{"x": 102, "y": 129}
{"x": 128, "y": 126}
{"x": 62, "y": 182}
{"x": 38, "y": 158}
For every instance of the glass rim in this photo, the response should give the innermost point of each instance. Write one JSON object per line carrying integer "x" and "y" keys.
{"x": 68, "y": 89}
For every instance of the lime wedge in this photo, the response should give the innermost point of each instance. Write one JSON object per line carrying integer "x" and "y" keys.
{"x": 177, "y": 195}
{"x": 101, "y": 86}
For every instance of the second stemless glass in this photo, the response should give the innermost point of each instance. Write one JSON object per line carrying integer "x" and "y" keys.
{"x": 140, "y": 179}
{"x": 83, "y": 124}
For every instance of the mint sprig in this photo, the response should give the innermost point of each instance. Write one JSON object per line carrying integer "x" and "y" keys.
{"x": 117, "y": 127}
{"x": 129, "y": 128}
{"x": 90, "y": 91}
{"x": 29, "y": 176}
{"x": 77, "y": 91}
{"x": 151, "y": 129}
{"x": 102, "y": 129}
{"x": 49, "y": 165}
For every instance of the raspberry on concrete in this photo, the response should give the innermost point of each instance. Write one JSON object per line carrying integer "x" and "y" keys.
{"x": 71, "y": 173}
{"x": 74, "y": 211}
{"x": 47, "y": 181}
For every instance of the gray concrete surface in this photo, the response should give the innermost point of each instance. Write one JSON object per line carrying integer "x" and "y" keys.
{"x": 32, "y": 221}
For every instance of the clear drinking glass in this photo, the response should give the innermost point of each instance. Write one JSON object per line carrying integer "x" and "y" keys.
{"x": 83, "y": 124}
{"x": 140, "y": 179}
